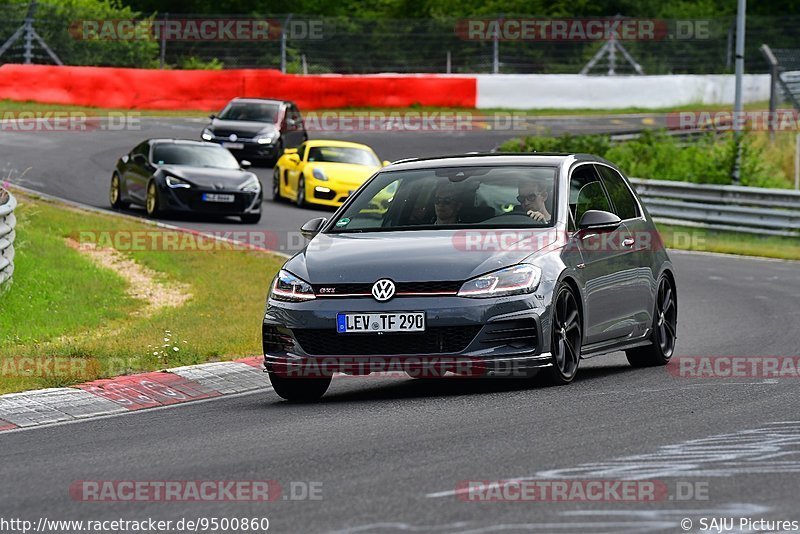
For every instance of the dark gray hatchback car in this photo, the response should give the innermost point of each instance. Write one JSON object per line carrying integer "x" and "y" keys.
{"x": 478, "y": 265}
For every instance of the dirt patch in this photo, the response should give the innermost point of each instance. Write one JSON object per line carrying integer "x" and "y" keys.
{"x": 143, "y": 283}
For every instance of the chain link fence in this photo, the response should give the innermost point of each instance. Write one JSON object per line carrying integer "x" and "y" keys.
{"x": 307, "y": 44}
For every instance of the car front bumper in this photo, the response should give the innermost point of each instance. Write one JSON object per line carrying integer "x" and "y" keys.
{"x": 475, "y": 337}
{"x": 191, "y": 200}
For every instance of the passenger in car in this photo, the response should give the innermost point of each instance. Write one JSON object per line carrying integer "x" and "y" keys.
{"x": 533, "y": 196}
{"x": 447, "y": 204}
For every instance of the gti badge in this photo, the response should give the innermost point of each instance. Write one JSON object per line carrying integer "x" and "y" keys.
{"x": 383, "y": 290}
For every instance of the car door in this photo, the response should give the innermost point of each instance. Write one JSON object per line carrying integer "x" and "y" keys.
{"x": 637, "y": 245}
{"x": 294, "y": 169}
{"x": 607, "y": 276}
{"x": 138, "y": 171}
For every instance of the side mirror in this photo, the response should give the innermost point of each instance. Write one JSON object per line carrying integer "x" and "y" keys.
{"x": 212, "y": 116}
{"x": 139, "y": 159}
{"x": 290, "y": 151}
{"x": 312, "y": 227}
{"x": 599, "y": 220}
{"x": 245, "y": 164}
{"x": 386, "y": 163}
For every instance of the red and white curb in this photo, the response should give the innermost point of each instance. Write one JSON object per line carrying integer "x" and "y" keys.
{"x": 130, "y": 393}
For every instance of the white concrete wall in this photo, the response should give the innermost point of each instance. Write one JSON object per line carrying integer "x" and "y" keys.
{"x": 532, "y": 91}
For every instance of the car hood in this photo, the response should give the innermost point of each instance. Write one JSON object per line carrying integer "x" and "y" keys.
{"x": 208, "y": 177}
{"x": 241, "y": 128}
{"x": 411, "y": 256}
{"x": 346, "y": 173}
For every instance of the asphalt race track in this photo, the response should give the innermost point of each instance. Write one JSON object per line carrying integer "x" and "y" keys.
{"x": 391, "y": 452}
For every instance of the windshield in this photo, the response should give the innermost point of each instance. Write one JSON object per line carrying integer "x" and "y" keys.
{"x": 453, "y": 197}
{"x": 338, "y": 154}
{"x": 195, "y": 155}
{"x": 250, "y": 111}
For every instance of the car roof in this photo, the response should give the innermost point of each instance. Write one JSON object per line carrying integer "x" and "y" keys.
{"x": 493, "y": 158}
{"x": 330, "y": 142}
{"x": 191, "y": 142}
{"x": 260, "y": 100}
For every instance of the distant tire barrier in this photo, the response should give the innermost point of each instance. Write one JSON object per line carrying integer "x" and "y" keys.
{"x": 107, "y": 87}
{"x": 7, "y": 224}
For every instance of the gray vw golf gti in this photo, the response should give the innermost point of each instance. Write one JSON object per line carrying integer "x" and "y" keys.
{"x": 495, "y": 265}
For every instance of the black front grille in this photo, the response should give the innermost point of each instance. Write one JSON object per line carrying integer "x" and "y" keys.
{"x": 400, "y": 287}
{"x": 325, "y": 195}
{"x": 517, "y": 333}
{"x": 437, "y": 340}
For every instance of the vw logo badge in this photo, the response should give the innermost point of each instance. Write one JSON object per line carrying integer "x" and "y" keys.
{"x": 233, "y": 137}
{"x": 383, "y": 290}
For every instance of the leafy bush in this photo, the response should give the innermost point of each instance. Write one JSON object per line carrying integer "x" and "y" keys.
{"x": 60, "y": 26}
{"x": 654, "y": 154}
{"x": 194, "y": 63}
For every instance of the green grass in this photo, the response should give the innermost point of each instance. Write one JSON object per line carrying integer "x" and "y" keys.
{"x": 685, "y": 238}
{"x": 14, "y": 106}
{"x": 61, "y": 307}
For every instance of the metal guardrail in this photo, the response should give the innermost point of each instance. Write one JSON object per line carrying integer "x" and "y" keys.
{"x": 752, "y": 210}
{"x": 7, "y": 223}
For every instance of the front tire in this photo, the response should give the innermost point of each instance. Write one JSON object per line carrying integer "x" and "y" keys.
{"x": 276, "y": 185}
{"x": 115, "y": 193}
{"x": 299, "y": 389}
{"x": 152, "y": 200}
{"x": 665, "y": 325}
{"x": 301, "y": 192}
{"x": 565, "y": 338}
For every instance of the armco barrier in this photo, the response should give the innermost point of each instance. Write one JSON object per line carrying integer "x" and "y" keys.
{"x": 7, "y": 223}
{"x": 575, "y": 91}
{"x": 209, "y": 89}
{"x": 753, "y": 210}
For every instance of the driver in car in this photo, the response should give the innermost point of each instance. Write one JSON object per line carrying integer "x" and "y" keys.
{"x": 532, "y": 198}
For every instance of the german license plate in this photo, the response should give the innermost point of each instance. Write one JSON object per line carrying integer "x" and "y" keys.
{"x": 235, "y": 146}
{"x": 215, "y": 197}
{"x": 370, "y": 323}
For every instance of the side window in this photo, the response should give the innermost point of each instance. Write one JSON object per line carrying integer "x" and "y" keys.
{"x": 586, "y": 192}
{"x": 624, "y": 204}
{"x": 301, "y": 151}
{"x": 142, "y": 149}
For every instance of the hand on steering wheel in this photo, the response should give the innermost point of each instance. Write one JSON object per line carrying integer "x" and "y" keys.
{"x": 537, "y": 216}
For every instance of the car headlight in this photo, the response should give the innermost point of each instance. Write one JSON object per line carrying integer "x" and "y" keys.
{"x": 264, "y": 139}
{"x": 207, "y": 135}
{"x": 319, "y": 174}
{"x": 289, "y": 288}
{"x": 177, "y": 183}
{"x": 515, "y": 280}
{"x": 252, "y": 185}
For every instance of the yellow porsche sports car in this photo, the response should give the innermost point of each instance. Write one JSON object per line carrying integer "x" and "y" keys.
{"x": 323, "y": 172}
